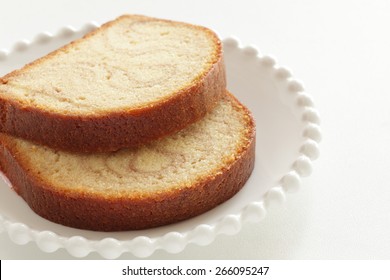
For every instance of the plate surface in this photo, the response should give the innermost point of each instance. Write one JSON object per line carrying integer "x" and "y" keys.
{"x": 288, "y": 134}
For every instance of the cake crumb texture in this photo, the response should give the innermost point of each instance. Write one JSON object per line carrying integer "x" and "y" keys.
{"x": 136, "y": 75}
{"x": 162, "y": 182}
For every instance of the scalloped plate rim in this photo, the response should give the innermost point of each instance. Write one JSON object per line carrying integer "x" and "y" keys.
{"x": 229, "y": 225}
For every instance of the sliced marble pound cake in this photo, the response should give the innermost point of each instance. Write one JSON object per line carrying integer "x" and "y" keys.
{"x": 162, "y": 182}
{"x": 131, "y": 81}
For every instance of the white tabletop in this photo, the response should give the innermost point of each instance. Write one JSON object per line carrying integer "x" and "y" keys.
{"x": 340, "y": 50}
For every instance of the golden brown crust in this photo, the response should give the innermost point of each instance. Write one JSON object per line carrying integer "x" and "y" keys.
{"x": 112, "y": 131}
{"x": 81, "y": 210}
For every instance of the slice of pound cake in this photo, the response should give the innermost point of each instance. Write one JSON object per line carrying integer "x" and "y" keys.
{"x": 165, "y": 181}
{"x": 133, "y": 80}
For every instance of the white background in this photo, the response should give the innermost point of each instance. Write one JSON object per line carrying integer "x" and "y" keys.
{"x": 341, "y": 51}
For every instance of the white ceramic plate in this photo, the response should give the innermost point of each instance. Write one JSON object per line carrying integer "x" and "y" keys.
{"x": 287, "y": 142}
